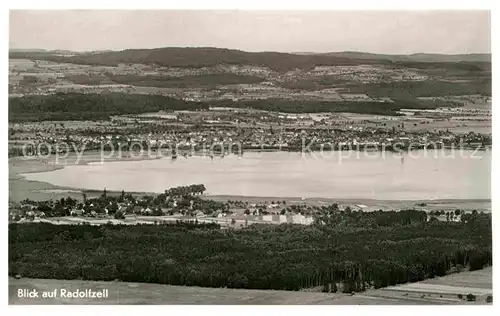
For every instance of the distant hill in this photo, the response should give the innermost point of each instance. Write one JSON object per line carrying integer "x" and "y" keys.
{"x": 419, "y": 57}
{"x": 198, "y": 57}
{"x": 26, "y": 50}
{"x": 51, "y": 52}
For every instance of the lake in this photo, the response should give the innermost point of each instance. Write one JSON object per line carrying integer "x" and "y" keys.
{"x": 440, "y": 174}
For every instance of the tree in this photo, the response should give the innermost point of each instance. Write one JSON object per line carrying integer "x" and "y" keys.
{"x": 470, "y": 297}
{"x": 119, "y": 215}
{"x": 71, "y": 202}
{"x": 247, "y": 212}
{"x": 457, "y": 212}
{"x": 113, "y": 208}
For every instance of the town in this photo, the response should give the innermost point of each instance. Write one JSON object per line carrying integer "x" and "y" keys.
{"x": 186, "y": 204}
{"x": 198, "y": 131}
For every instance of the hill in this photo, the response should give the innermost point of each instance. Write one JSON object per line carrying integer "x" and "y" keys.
{"x": 27, "y": 50}
{"x": 200, "y": 57}
{"x": 419, "y": 57}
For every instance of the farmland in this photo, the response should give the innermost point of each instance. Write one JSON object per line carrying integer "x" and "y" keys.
{"x": 478, "y": 283}
{"x": 227, "y": 75}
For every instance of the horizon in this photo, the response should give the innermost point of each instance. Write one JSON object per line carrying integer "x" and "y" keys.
{"x": 235, "y": 49}
{"x": 376, "y": 32}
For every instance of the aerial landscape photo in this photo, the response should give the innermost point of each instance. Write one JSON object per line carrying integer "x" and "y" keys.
{"x": 249, "y": 157}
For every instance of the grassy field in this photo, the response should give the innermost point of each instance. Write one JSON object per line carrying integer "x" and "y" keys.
{"x": 438, "y": 291}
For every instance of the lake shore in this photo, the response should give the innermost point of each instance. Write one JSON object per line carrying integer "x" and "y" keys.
{"x": 20, "y": 188}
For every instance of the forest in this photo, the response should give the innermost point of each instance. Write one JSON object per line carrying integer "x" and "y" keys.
{"x": 398, "y": 90}
{"x": 79, "y": 106}
{"x": 198, "y": 57}
{"x": 338, "y": 255}
{"x": 428, "y": 88}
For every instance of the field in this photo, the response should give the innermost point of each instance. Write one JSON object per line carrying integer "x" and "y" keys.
{"x": 266, "y": 81}
{"x": 443, "y": 290}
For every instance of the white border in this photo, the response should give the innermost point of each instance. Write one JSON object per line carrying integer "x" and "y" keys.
{"x": 261, "y": 5}
{"x": 254, "y": 5}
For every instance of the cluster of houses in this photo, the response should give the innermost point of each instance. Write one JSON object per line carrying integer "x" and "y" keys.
{"x": 244, "y": 137}
{"x": 29, "y": 211}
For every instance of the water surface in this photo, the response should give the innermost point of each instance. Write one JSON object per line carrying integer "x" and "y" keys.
{"x": 384, "y": 176}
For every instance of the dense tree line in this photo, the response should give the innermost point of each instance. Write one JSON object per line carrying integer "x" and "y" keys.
{"x": 282, "y": 257}
{"x": 199, "y": 57}
{"x": 462, "y": 66}
{"x": 186, "y": 190}
{"x": 80, "y": 106}
{"x": 332, "y": 216}
{"x": 402, "y": 90}
{"x": 209, "y": 57}
{"x": 409, "y": 90}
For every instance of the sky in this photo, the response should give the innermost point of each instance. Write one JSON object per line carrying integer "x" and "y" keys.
{"x": 386, "y": 32}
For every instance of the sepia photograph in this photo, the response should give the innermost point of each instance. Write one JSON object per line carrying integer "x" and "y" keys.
{"x": 250, "y": 157}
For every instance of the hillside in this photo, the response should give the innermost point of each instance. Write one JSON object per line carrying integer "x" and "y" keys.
{"x": 199, "y": 57}
{"x": 419, "y": 57}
